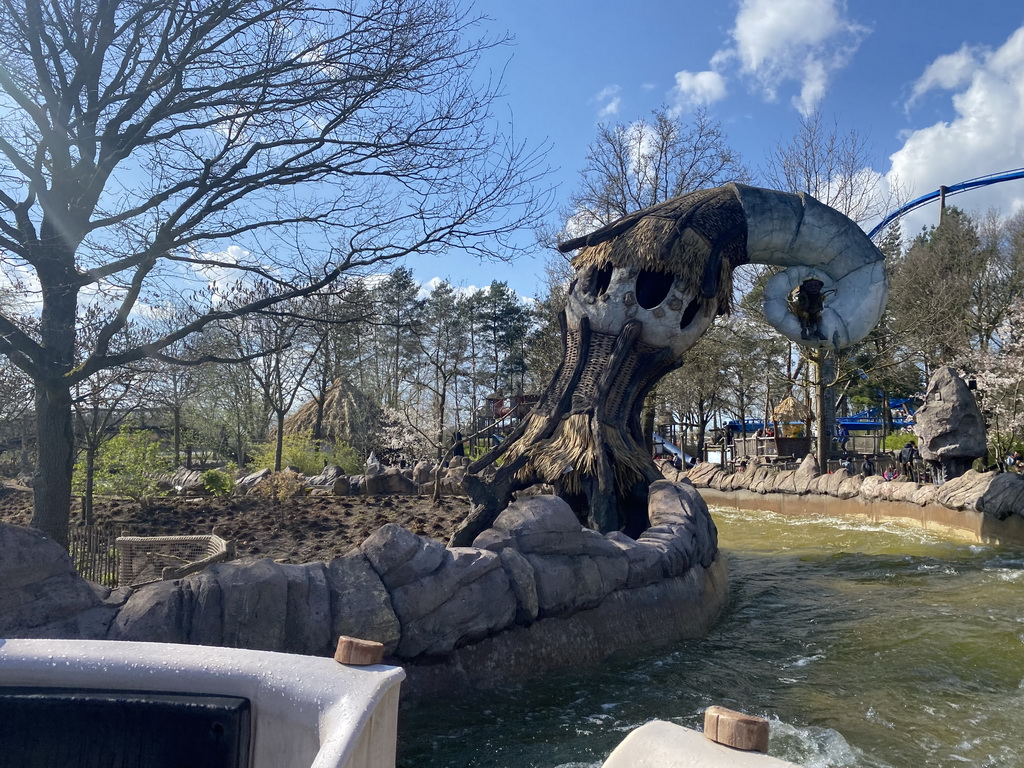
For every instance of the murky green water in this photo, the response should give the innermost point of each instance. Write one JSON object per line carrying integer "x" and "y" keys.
{"x": 866, "y": 645}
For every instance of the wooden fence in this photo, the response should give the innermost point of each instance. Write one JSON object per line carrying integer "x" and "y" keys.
{"x": 94, "y": 554}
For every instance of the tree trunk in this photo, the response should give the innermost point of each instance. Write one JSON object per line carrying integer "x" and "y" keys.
{"x": 279, "y": 448}
{"x": 177, "y": 434}
{"x": 90, "y": 483}
{"x": 584, "y": 437}
{"x": 55, "y": 460}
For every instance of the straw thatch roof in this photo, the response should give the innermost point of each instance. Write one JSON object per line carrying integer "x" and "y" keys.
{"x": 349, "y": 416}
{"x": 700, "y": 237}
{"x": 791, "y": 409}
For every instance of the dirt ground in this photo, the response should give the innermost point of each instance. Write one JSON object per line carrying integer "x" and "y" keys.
{"x": 300, "y": 530}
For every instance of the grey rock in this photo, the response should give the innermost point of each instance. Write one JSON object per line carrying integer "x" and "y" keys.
{"x": 523, "y": 583}
{"x": 849, "y": 487}
{"x": 207, "y": 622}
{"x": 567, "y": 584}
{"x": 360, "y": 605}
{"x": 786, "y": 482}
{"x": 40, "y": 584}
{"x": 328, "y": 475}
{"x": 949, "y": 425}
{"x": 807, "y": 473}
{"x": 872, "y": 487}
{"x": 1004, "y": 496}
{"x": 834, "y": 481}
{"x": 423, "y": 472}
{"x": 545, "y": 525}
{"x": 468, "y": 597}
{"x": 254, "y": 602}
{"x": 251, "y": 480}
{"x": 644, "y": 561}
{"x": 373, "y": 482}
{"x": 904, "y": 491}
{"x": 154, "y": 613}
{"x": 307, "y": 627}
{"x": 964, "y": 491}
{"x": 394, "y": 481}
{"x": 460, "y": 566}
{"x": 399, "y": 556}
{"x": 925, "y": 495}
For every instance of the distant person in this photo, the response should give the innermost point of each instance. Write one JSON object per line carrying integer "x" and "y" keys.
{"x": 908, "y": 455}
{"x": 459, "y": 449}
{"x": 868, "y": 467}
{"x": 842, "y": 436}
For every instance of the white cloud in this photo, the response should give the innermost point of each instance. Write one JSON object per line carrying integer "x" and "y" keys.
{"x": 801, "y": 41}
{"x": 986, "y": 135}
{"x": 948, "y": 72}
{"x": 609, "y": 100}
{"x": 698, "y": 89}
{"x": 427, "y": 287}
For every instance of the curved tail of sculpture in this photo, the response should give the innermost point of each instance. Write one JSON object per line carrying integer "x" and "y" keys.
{"x": 814, "y": 242}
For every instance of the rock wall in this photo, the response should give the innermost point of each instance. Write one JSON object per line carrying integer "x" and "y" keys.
{"x": 998, "y": 496}
{"x": 535, "y": 591}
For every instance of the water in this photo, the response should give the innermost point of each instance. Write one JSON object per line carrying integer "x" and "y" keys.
{"x": 866, "y": 645}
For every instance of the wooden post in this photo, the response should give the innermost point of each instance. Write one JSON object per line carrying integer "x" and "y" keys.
{"x": 352, "y": 650}
{"x": 735, "y": 729}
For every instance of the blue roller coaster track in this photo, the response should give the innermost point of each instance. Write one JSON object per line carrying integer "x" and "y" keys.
{"x": 953, "y": 189}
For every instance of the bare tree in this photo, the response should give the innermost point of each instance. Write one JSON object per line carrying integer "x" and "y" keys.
{"x": 634, "y": 165}
{"x": 154, "y": 147}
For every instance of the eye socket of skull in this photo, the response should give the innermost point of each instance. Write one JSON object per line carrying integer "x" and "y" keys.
{"x": 652, "y": 288}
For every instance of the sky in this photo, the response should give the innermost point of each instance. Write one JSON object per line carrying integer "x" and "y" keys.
{"x": 936, "y": 89}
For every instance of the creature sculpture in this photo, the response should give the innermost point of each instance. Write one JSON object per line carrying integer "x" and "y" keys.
{"x": 646, "y": 288}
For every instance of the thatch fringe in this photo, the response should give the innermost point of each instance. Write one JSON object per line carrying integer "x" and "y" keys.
{"x": 671, "y": 237}
{"x": 573, "y": 446}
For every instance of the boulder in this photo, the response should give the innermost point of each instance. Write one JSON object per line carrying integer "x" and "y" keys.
{"x": 567, "y": 584}
{"x": 644, "y": 560}
{"x": 834, "y": 481}
{"x": 467, "y": 598}
{"x": 399, "y": 556}
{"x": 188, "y": 482}
{"x": 327, "y": 476}
{"x": 155, "y": 613}
{"x": 924, "y": 495}
{"x": 251, "y": 480}
{"x": 393, "y": 480}
{"x": 871, "y": 487}
{"x": 964, "y": 491}
{"x": 1003, "y": 497}
{"x": 40, "y": 584}
{"x": 523, "y": 583}
{"x": 360, "y": 605}
{"x": 905, "y": 491}
{"x": 950, "y": 427}
{"x": 253, "y": 603}
{"x": 372, "y": 479}
{"x": 805, "y": 474}
{"x": 423, "y": 472}
{"x": 849, "y": 487}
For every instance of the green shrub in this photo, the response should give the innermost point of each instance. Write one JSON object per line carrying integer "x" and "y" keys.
{"x": 280, "y": 486}
{"x": 127, "y": 465}
{"x": 302, "y": 452}
{"x": 218, "y": 482}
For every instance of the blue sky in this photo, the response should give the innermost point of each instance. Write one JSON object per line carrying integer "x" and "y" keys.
{"x": 936, "y": 88}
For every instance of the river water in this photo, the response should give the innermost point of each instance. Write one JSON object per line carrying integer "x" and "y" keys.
{"x": 866, "y": 645}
